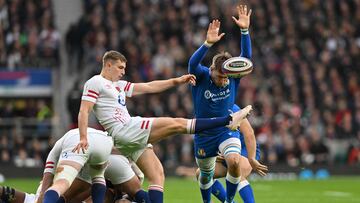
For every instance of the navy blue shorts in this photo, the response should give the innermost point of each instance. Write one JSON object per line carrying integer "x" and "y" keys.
{"x": 206, "y": 146}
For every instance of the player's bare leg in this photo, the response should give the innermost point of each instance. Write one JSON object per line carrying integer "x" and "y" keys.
{"x": 130, "y": 187}
{"x": 151, "y": 166}
{"x": 78, "y": 191}
{"x": 65, "y": 174}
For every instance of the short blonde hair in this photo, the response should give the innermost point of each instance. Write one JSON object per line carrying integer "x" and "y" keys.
{"x": 113, "y": 55}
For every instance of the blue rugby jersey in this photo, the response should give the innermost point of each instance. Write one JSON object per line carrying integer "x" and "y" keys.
{"x": 208, "y": 99}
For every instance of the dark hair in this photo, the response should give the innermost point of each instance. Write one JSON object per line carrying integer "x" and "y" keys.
{"x": 113, "y": 55}
{"x": 219, "y": 59}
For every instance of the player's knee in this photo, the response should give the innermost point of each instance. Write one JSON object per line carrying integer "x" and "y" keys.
{"x": 233, "y": 161}
{"x": 206, "y": 176}
{"x": 7, "y": 194}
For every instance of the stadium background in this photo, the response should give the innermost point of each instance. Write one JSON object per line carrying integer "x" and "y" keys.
{"x": 305, "y": 87}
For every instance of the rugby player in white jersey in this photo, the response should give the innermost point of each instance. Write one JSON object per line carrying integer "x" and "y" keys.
{"x": 68, "y": 164}
{"x": 106, "y": 94}
{"x": 128, "y": 180}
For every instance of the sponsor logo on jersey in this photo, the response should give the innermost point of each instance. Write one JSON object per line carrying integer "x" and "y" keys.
{"x": 217, "y": 96}
{"x": 65, "y": 155}
{"x": 121, "y": 100}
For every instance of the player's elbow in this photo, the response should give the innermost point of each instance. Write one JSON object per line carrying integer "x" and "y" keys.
{"x": 192, "y": 63}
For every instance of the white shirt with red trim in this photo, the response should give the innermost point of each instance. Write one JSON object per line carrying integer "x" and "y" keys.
{"x": 74, "y": 134}
{"x": 109, "y": 98}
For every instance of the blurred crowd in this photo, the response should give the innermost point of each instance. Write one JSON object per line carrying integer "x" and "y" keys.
{"x": 28, "y": 38}
{"x": 25, "y": 131}
{"x": 305, "y": 85}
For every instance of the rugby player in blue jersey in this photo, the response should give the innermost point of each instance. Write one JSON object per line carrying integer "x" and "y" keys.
{"x": 246, "y": 132}
{"x": 213, "y": 95}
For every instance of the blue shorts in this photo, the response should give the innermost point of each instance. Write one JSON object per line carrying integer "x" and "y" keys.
{"x": 206, "y": 146}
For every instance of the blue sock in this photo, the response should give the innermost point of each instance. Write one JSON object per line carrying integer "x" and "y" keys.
{"x": 246, "y": 192}
{"x": 206, "y": 188}
{"x": 231, "y": 187}
{"x": 142, "y": 196}
{"x": 50, "y": 196}
{"x": 201, "y": 124}
{"x": 218, "y": 191}
{"x": 206, "y": 195}
{"x": 156, "y": 194}
{"x": 98, "y": 192}
{"x": 61, "y": 200}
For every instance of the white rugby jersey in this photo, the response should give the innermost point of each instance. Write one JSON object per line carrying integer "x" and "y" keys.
{"x": 109, "y": 98}
{"x": 54, "y": 154}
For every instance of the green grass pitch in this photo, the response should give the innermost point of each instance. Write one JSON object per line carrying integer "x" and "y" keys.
{"x": 334, "y": 190}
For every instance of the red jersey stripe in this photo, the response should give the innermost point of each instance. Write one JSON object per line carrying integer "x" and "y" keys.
{"x": 49, "y": 166}
{"x": 92, "y": 91}
{"x": 142, "y": 124}
{"x": 49, "y": 162}
{"x": 127, "y": 86}
{"x": 147, "y": 124}
{"x": 89, "y": 95}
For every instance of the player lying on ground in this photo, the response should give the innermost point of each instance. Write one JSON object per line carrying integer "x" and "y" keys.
{"x": 106, "y": 95}
{"x": 213, "y": 95}
{"x": 244, "y": 188}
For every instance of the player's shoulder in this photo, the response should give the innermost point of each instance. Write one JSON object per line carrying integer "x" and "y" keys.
{"x": 95, "y": 79}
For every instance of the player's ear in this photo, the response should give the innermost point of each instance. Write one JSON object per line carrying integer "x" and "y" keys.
{"x": 108, "y": 63}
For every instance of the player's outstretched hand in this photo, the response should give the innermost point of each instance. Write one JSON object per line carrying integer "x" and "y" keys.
{"x": 243, "y": 20}
{"x": 213, "y": 35}
{"x": 189, "y": 78}
{"x": 258, "y": 167}
{"x": 83, "y": 145}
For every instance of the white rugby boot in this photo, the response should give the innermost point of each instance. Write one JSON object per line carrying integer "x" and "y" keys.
{"x": 238, "y": 117}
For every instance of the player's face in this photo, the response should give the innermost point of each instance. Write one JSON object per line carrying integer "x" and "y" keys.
{"x": 220, "y": 79}
{"x": 117, "y": 70}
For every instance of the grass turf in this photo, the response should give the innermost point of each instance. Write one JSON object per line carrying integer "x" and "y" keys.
{"x": 334, "y": 190}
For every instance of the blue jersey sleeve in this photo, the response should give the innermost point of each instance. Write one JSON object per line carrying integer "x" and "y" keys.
{"x": 246, "y": 46}
{"x": 194, "y": 63}
{"x": 245, "y": 50}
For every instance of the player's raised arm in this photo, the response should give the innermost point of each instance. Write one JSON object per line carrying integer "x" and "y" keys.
{"x": 243, "y": 21}
{"x": 162, "y": 85}
{"x": 212, "y": 37}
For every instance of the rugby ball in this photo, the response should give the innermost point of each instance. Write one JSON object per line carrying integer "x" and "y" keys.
{"x": 237, "y": 67}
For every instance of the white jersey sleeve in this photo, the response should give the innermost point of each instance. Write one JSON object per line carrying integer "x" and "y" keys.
{"x": 127, "y": 86}
{"x": 53, "y": 157}
{"x": 91, "y": 90}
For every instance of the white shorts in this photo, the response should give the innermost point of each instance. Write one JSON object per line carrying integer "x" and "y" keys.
{"x": 118, "y": 171}
{"x": 30, "y": 198}
{"x": 132, "y": 138}
{"x": 98, "y": 152}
